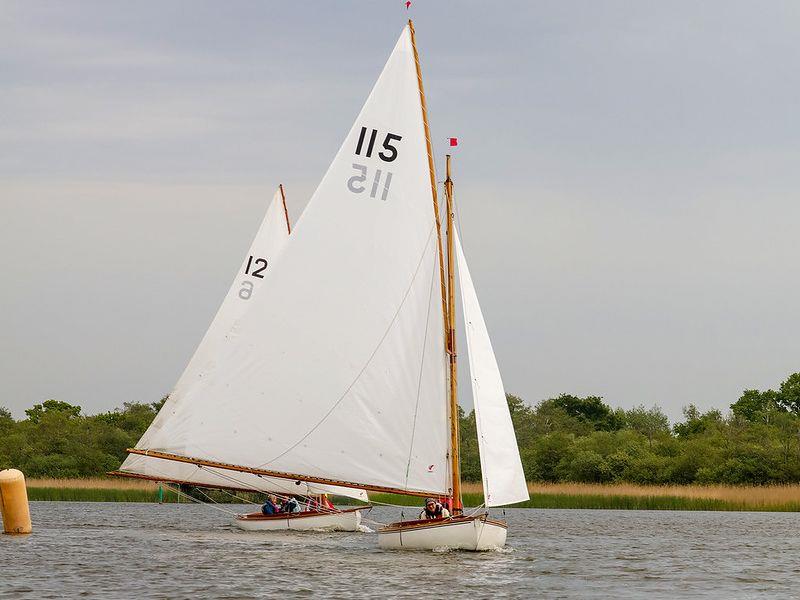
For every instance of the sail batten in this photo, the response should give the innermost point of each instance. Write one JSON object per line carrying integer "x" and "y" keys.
{"x": 501, "y": 466}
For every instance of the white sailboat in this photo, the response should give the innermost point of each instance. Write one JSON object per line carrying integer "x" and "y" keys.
{"x": 343, "y": 370}
{"x": 266, "y": 248}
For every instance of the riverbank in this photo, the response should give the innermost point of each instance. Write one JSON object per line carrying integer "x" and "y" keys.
{"x": 782, "y": 498}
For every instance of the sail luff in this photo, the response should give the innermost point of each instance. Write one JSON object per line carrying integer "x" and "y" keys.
{"x": 278, "y": 474}
{"x": 451, "y": 339}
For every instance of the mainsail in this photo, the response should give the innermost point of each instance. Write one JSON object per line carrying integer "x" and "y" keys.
{"x": 503, "y": 477}
{"x": 337, "y": 370}
{"x": 267, "y": 246}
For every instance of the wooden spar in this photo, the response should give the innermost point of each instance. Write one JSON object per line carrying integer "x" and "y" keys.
{"x": 280, "y": 474}
{"x": 181, "y": 482}
{"x": 448, "y": 293}
{"x": 451, "y": 341}
{"x": 432, "y": 171}
{"x": 285, "y": 211}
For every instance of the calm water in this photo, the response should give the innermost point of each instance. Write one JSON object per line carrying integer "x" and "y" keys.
{"x": 106, "y": 550}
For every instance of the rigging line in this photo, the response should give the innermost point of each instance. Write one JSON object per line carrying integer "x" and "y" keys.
{"x": 421, "y": 370}
{"x": 193, "y": 499}
{"x": 285, "y": 496}
{"x": 210, "y": 499}
{"x": 369, "y": 360}
{"x": 477, "y": 508}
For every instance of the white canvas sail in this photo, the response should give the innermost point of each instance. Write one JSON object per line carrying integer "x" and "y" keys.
{"x": 503, "y": 477}
{"x": 338, "y": 369}
{"x": 267, "y": 246}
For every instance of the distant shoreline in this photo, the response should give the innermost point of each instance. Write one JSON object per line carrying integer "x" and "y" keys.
{"x": 772, "y": 498}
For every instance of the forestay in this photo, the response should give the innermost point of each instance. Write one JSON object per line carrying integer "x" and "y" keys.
{"x": 503, "y": 477}
{"x": 338, "y": 369}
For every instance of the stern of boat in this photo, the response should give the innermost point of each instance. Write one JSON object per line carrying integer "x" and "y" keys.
{"x": 472, "y": 533}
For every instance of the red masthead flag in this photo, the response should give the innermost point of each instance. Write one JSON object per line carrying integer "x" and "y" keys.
{"x": 408, "y": 3}
{"x": 453, "y": 141}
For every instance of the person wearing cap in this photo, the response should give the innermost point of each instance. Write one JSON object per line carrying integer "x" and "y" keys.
{"x": 433, "y": 510}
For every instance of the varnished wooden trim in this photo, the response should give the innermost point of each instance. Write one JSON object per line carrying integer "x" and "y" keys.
{"x": 285, "y": 210}
{"x": 182, "y": 482}
{"x": 432, "y": 171}
{"x": 281, "y": 474}
{"x": 418, "y": 524}
{"x": 297, "y": 515}
{"x": 455, "y": 464}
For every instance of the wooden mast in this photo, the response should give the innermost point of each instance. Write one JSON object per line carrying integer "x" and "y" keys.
{"x": 449, "y": 331}
{"x": 285, "y": 211}
{"x": 451, "y": 343}
{"x": 432, "y": 171}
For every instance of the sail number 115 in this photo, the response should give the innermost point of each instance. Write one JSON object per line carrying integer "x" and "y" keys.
{"x": 380, "y": 181}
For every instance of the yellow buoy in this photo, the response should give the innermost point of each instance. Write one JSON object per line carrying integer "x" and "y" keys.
{"x": 14, "y": 502}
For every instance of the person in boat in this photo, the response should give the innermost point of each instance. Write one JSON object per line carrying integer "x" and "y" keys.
{"x": 319, "y": 503}
{"x": 291, "y": 506}
{"x": 270, "y": 507}
{"x": 433, "y": 510}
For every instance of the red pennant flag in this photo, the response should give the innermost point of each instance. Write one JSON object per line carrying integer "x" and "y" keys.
{"x": 408, "y": 4}
{"x": 454, "y": 141}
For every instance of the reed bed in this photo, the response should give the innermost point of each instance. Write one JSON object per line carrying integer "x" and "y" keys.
{"x": 756, "y": 495}
{"x": 621, "y": 496}
{"x": 95, "y": 483}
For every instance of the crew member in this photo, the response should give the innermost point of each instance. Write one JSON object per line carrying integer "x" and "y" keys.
{"x": 433, "y": 510}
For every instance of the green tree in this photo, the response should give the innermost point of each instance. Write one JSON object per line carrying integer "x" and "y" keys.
{"x": 36, "y": 413}
{"x": 790, "y": 393}
{"x": 586, "y": 466}
{"x": 6, "y": 420}
{"x": 590, "y": 410}
{"x": 650, "y": 422}
{"x": 696, "y": 422}
{"x": 756, "y": 406}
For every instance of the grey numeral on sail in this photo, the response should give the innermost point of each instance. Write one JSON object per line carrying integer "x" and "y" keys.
{"x": 355, "y": 183}
{"x": 246, "y": 290}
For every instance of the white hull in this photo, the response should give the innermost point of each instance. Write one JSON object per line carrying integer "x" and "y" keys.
{"x": 347, "y": 520}
{"x": 459, "y": 533}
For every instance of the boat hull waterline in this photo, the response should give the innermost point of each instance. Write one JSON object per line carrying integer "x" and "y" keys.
{"x": 474, "y": 533}
{"x": 344, "y": 520}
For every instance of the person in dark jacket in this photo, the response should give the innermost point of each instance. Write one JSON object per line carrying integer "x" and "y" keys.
{"x": 291, "y": 506}
{"x": 270, "y": 507}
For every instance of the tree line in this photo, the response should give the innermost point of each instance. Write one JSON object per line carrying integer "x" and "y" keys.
{"x": 567, "y": 438}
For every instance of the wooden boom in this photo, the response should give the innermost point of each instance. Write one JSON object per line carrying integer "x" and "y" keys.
{"x": 280, "y": 474}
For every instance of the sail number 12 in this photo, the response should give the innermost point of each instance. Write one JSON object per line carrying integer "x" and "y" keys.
{"x": 380, "y": 182}
{"x": 255, "y": 267}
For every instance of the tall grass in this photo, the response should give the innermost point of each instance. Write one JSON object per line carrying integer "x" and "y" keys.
{"x": 543, "y": 495}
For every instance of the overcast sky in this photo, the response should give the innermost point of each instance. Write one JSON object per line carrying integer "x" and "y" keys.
{"x": 628, "y": 178}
